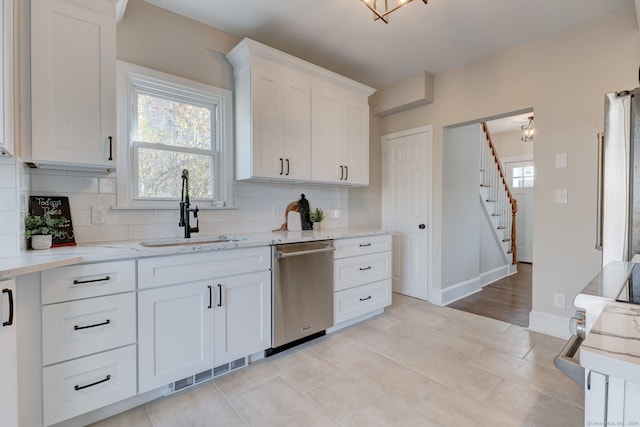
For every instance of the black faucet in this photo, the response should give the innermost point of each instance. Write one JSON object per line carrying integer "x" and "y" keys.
{"x": 185, "y": 208}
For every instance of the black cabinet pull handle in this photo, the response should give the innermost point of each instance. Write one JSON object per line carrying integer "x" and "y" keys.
{"x": 364, "y": 299}
{"x": 82, "y": 387}
{"x": 210, "y": 297}
{"x": 364, "y": 245}
{"x": 341, "y": 172}
{"x": 287, "y": 167}
{"x": 110, "y": 148}
{"x": 77, "y": 328}
{"x": 10, "y": 295}
{"x": 219, "y": 295}
{"x": 422, "y": 226}
{"x": 365, "y": 268}
{"x": 281, "y": 166}
{"x": 346, "y": 173}
{"x": 82, "y": 282}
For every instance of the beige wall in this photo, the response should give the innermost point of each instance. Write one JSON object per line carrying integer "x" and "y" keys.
{"x": 563, "y": 79}
{"x": 156, "y": 38}
{"x": 508, "y": 144}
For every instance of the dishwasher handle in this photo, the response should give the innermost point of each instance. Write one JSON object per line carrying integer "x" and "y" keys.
{"x": 281, "y": 255}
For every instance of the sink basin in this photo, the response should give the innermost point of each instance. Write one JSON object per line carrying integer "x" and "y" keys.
{"x": 191, "y": 242}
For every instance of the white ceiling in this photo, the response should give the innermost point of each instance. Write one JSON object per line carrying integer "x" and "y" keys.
{"x": 342, "y": 36}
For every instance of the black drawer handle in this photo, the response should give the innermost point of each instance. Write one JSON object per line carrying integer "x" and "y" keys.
{"x": 82, "y": 282}
{"x": 364, "y": 299}
{"x": 365, "y": 268}
{"x": 210, "y": 297}
{"x": 287, "y": 167}
{"x": 10, "y": 295}
{"x": 281, "y": 166}
{"x": 346, "y": 173}
{"x": 219, "y": 295}
{"x": 365, "y": 245}
{"x": 78, "y": 328}
{"x": 110, "y": 148}
{"x": 82, "y": 387}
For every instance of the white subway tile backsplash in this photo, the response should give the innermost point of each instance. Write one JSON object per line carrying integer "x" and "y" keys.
{"x": 8, "y": 245}
{"x": 100, "y": 233}
{"x": 9, "y": 199}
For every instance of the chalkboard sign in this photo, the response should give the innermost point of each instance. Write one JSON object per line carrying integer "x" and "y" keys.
{"x": 38, "y": 205}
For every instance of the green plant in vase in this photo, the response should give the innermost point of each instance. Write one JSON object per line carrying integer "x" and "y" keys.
{"x": 316, "y": 216}
{"x": 42, "y": 228}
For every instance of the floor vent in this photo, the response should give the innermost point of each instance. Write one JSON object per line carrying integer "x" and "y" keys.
{"x": 228, "y": 367}
{"x": 189, "y": 381}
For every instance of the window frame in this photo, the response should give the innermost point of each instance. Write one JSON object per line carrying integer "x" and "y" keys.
{"x": 133, "y": 79}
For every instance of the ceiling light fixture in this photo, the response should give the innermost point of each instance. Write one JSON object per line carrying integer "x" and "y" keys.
{"x": 528, "y": 131}
{"x": 382, "y": 8}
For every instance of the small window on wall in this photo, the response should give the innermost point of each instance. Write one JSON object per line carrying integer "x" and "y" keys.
{"x": 522, "y": 174}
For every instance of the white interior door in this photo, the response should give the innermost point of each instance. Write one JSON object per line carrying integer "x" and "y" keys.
{"x": 521, "y": 176}
{"x": 406, "y": 207}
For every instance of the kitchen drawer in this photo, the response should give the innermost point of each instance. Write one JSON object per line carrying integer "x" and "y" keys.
{"x": 361, "y": 245}
{"x": 88, "y": 280}
{"x": 354, "y": 271}
{"x": 82, "y": 385}
{"x": 78, "y": 328}
{"x": 177, "y": 269}
{"x": 360, "y": 300}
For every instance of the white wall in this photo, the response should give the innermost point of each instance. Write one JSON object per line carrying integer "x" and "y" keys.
{"x": 460, "y": 205}
{"x": 508, "y": 144}
{"x": 563, "y": 78}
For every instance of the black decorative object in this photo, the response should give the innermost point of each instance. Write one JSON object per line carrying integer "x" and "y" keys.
{"x": 38, "y": 205}
{"x": 305, "y": 213}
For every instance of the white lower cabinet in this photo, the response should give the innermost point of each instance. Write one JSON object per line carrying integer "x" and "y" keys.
{"x": 186, "y": 328}
{"x": 610, "y": 401}
{"x": 362, "y": 276}
{"x": 175, "y": 333}
{"x": 8, "y": 355}
{"x": 88, "y": 338}
{"x": 82, "y": 385}
{"x": 242, "y": 316}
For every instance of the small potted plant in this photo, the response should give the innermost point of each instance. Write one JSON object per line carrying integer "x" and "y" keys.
{"x": 316, "y": 216}
{"x": 42, "y": 228}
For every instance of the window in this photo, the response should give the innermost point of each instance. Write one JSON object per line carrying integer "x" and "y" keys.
{"x": 168, "y": 124}
{"x": 522, "y": 174}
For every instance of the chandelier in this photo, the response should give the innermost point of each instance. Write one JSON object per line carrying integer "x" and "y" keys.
{"x": 528, "y": 131}
{"x": 382, "y": 8}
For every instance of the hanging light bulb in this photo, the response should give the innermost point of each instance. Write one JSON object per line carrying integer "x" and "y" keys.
{"x": 528, "y": 131}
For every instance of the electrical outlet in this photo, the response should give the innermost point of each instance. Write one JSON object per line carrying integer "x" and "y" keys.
{"x": 97, "y": 215}
{"x": 559, "y": 300}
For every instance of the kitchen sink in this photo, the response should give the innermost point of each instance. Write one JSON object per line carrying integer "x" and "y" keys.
{"x": 191, "y": 241}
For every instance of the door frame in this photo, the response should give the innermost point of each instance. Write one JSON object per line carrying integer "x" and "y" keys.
{"x": 384, "y": 139}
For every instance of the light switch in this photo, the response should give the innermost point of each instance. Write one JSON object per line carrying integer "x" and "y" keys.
{"x": 561, "y": 196}
{"x": 561, "y": 160}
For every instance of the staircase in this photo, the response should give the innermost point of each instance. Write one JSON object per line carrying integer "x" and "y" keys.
{"x": 496, "y": 198}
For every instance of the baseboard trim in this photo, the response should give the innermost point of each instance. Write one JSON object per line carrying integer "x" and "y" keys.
{"x": 549, "y": 324}
{"x": 496, "y": 274}
{"x": 459, "y": 290}
{"x": 355, "y": 320}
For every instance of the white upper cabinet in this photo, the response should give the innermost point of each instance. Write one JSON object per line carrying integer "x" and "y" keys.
{"x": 73, "y": 53}
{"x": 296, "y": 121}
{"x": 340, "y": 135}
{"x": 6, "y": 78}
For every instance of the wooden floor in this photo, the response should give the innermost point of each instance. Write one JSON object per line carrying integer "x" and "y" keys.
{"x": 508, "y": 299}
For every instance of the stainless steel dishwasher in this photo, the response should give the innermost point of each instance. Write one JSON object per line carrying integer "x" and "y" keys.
{"x": 302, "y": 293}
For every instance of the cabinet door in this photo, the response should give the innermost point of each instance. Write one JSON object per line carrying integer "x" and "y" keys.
{"x": 280, "y": 121}
{"x": 175, "y": 333}
{"x": 340, "y": 136}
{"x": 242, "y": 316}
{"x": 595, "y": 398}
{"x": 72, "y": 84}
{"x": 8, "y": 355}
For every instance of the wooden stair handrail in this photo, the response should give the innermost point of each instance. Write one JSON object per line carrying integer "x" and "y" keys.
{"x": 512, "y": 200}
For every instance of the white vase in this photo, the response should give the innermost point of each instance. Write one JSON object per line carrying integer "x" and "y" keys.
{"x": 316, "y": 225}
{"x": 41, "y": 241}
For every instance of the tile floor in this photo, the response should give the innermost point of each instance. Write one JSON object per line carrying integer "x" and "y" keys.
{"x": 415, "y": 365}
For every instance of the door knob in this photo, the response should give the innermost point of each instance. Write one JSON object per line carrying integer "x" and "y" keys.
{"x": 422, "y": 226}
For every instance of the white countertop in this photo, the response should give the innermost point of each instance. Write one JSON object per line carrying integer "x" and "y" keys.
{"x": 613, "y": 345}
{"x": 32, "y": 261}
